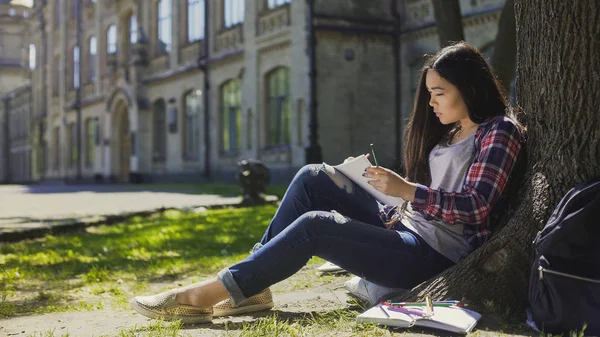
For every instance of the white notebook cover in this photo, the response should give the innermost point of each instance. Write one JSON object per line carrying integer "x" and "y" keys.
{"x": 454, "y": 319}
{"x": 354, "y": 169}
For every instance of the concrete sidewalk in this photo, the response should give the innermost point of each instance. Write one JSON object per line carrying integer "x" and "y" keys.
{"x": 32, "y": 211}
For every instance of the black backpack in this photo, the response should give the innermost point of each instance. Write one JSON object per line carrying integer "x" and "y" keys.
{"x": 564, "y": 287}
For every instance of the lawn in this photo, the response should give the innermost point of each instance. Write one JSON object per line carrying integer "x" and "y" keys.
{"x": 101, "y": 268}
{"x": 52, "y": 273}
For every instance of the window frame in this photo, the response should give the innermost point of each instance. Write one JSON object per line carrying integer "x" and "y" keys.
{"x": 90, "y": 149}
{"x": 278, "y": 107}
{"x": 191, "y": 130}
{"x": 76, "y": 67}
{"x": 195, "y": 7}
{"x": 231, "y": 107}
{"x": 133, "y": 29}
{"x": 92, "y": 54}
{"x": 32, "y": 56}
{"x": 271, "y": 4}
{"x": 229, "y": 10}
{"x": 56, "y": 146}
{"x": 112, "y": 47}
{"x": 159, "y": 131}
{"x": 164, "y": 21}
{"x": 72, "y": 133}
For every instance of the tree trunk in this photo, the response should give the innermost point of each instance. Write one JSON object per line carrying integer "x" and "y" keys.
{"x": 505, "y": 47}
{"x": 449, "y": 21}
{"x": 558, "y": 87}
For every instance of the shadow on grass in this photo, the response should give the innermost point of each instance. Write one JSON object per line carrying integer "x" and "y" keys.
{"x": 158, "y": 248}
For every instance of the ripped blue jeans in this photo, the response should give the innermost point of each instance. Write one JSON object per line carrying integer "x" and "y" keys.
{"x": 325, "y": 214}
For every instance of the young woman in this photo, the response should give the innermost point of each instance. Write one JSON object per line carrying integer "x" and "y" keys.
{"x": 461, "y": 146}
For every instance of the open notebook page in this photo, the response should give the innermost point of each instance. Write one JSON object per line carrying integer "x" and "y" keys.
{"x": 354, "y": 168}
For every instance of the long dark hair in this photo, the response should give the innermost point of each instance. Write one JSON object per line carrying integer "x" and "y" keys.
{"x": 465, "y": 67}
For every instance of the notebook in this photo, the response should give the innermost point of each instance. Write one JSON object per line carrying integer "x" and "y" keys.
{"x": 354, "y": 168}
{"x": 453, "y": 319}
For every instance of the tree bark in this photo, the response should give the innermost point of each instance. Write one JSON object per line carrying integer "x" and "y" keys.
{"x": 505, "y": 48}
{"x": 558, "y": 87}
{"x": 449, "y": 21}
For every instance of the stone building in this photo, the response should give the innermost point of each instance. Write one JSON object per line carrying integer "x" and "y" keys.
{"x": 15, "y": 97}
{"x": 183, "y": 89}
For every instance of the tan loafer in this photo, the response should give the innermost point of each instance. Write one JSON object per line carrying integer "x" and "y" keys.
{"x": 259, "y": 302}
{"x": 165, "y": 306}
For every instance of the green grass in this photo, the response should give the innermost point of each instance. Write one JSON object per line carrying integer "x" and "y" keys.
{"x": 105, "y": 266}
{"x": 333, "y": 323}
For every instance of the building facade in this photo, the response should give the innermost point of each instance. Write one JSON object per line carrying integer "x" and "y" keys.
{"x": 15, "y": 93}
{"x": 130, "y": 90}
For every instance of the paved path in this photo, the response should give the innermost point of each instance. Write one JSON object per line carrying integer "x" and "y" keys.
{"x": 25, "y": 208}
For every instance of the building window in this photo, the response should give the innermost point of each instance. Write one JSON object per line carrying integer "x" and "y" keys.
{"x": 277, "y": 3}
{"x": 111, "y": 40}
{"x": 278, "y": 107}
{"x": 231, "y": 116}
{"x": 76, "y": 67}
{"x": 72, "y": 134}
{"x": 57, "y": 12}
{"x": 133, "y": 29}
{"x": 195, "y": 20}
{"x": 164, "y": 26}
{"x": 56, "y": 88}
{"x": 191, "y": 130}
{"x": 32, "y": 56}
{"x": 92, "y": 59}
{"x": 90, "y": 129}
{"x": 56, "y": 148}
{"x": 160, "y": 131}
{"x": 233, "y": 12}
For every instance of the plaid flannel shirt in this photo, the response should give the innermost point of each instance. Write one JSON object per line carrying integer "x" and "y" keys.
{"x": 497, "y": 145}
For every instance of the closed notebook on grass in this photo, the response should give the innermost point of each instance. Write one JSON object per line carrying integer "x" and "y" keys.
{"x": 354, "y": 169}
{"x": 453, "y": 319}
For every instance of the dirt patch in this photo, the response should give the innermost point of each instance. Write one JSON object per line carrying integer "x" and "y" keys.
{"x": 303, "y": 293}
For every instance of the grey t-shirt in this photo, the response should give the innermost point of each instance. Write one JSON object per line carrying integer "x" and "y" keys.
{"x": 448, "y": 166}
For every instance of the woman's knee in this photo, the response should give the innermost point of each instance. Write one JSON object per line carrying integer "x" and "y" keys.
{"x": 314, "y": 222}
{"x": 320, "y": 174}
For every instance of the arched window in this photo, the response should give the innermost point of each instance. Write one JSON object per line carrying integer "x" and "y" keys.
{"x": 76, "y": 67}
{"x": 159, "y": 146}
{"x": 233, "y": 12}
{"x": 164, "y": 26}
{"x": 191, "y": 129}
{"x": 195, "y": 20}
{"x": 133, "y": 29}
{"x": 32, "y": 56}
{"x": 56, "y": 149}
{"x": 92, "y": 59}
{"x": 231, "y": 116}
{"x": 90, "y": 140}
{"x": 279, "y": 111}
{"x": 111, "y": 40}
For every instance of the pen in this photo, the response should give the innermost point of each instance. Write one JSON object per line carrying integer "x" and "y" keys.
{"x": 429, "y": 306}
{"x": 434, "y": 304}
{"x": 385, "y": 312}
{"x": 373, "y": 152}
{"x": 406, "y": 311}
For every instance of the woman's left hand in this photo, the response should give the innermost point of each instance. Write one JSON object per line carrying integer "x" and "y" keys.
{"x": 390, "y": 183}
